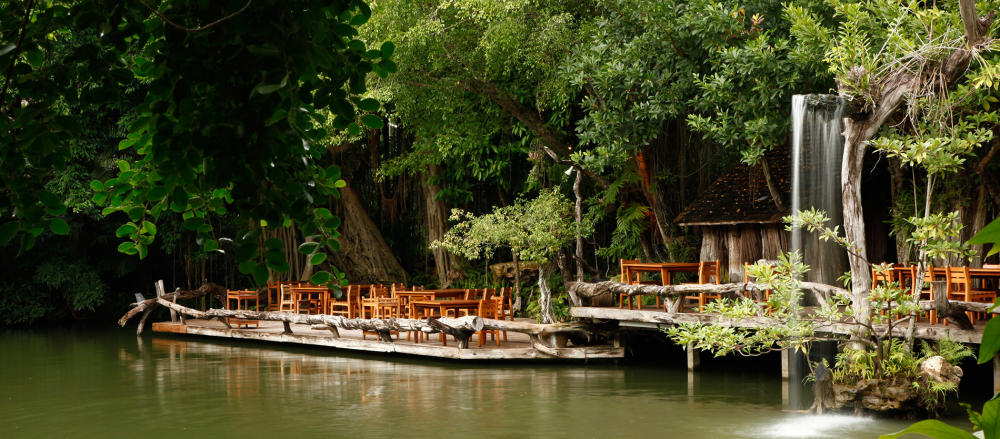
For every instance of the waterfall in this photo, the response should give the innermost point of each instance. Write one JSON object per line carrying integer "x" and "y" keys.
{"x": 817, "y": 153}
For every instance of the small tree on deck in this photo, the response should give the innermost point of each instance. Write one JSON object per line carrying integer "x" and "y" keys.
{"x": 533, "y": 230}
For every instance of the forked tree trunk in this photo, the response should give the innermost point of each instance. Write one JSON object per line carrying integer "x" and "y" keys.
{"x": 364, "y": 256}
{"x": 448, "y": 265}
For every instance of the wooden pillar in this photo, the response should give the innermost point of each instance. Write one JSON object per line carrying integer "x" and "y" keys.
{"x": 785, "y": 356}
{"x": 693, "y": 357}
{"x": 996, "y": 373}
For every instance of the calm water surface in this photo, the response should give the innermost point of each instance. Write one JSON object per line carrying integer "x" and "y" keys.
{"x": 104, "y": 382}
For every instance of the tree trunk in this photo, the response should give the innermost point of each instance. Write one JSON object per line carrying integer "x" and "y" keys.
{"x": 898, "y": 192}
{"x": 448, "y": 265}
{"x": 545, "y": 294}
{"x": 772, "y": 184}
{"x": 364, "y": 256}
{"x": 578, "y": 214}
{"x": 517, "y": 282}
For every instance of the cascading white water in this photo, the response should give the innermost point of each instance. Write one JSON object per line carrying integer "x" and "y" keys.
{"x": 817, "y": 153}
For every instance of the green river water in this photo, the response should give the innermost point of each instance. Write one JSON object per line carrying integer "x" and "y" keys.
{"x": 99, "y": 382}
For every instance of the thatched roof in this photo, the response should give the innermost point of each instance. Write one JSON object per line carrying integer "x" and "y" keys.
{"x": 740, "y": 196}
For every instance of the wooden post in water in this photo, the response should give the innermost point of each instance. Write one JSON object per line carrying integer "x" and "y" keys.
{"x": 160, "y": 292}
{"x": 693, "y": 357}
{"x": 784, "y": 364}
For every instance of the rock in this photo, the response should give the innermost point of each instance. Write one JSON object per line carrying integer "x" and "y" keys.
{"x": 938, "y": 369}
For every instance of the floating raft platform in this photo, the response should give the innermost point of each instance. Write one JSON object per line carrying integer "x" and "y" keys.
{"x": 518, "y": 346}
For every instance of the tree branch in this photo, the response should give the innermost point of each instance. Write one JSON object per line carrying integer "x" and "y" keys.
{"x": 200, "y": 29}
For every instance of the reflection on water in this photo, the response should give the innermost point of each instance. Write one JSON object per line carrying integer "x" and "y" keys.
{"x": 104, "y": 382}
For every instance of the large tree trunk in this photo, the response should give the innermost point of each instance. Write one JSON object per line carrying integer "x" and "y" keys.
{"x": 364, "y": 256}
{"x": 448, "y": 265}
{"x": 898, "y": 192}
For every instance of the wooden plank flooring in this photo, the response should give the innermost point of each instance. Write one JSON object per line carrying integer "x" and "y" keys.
{"x": 517, "y": 346}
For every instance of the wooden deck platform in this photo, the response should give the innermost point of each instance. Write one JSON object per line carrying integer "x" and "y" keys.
{"x": 518, "y": 346}
{"x": 653, "y": 318}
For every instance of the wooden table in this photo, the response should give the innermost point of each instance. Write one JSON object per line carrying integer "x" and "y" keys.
{"x": 444, "y": 305}
{"x": 666, "y": 269}
{"x": 300, "y": 293}
{"x": 435, "y": 294}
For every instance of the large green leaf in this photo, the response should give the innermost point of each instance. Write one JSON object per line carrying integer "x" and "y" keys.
{"x": 246, "y": 252}
{"x": 317, "y": 258}
{"x": 372, "y": 121}
{"x": 276, "y": 257}
{"x": 989, "y": 234}
{"x": 991, "y": 341}
{"x": 125, "y": 230}
{"x": 308, "y": 248}
{"x": 990, "y": 418}
{"x": 59, "y": 227}
{"x": 320, "y": 278}
{"x": 273, "y": 243}
{"x": 49, "y": 199}
{"x": 387, "y": 49}
{"x": 7, "y": 231}
{"x": 193, "y": 224}
{"x": 260, "y": 274}
{"x": 933, "y": 428}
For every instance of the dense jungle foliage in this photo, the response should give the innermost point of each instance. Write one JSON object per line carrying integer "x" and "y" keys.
{"x": 233, "y": 141}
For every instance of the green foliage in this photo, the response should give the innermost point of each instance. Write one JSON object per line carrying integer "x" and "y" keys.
{"x": 262, "y": 99}
{"x": 79, "y": 283}
{"x": 534, "y": 229}
{"x": 861, "y": 364}
{"x": 952, "y": 351}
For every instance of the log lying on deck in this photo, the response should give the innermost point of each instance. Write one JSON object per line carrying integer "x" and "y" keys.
{"x": 148, "y": 305}
{"x": 822, "y": 292}
{"x": 546, "y": 338}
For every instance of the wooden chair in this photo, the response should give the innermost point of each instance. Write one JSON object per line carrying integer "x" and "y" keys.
{"x": 349, "y": 305}
{"x": 379, "y": 291}
{"x": 273, "y": 295}
{"x": 414, "y": 314}
{"x": 626, "y": 280}
{"x": 242, "y": 299}
{"x": 706, "y": 270}
{"x": 488, "y": 309}
{"x": 746, "y": 279}
{"x": 960, "y": 288}
{"x": 396, "y": 287}
{"x": 287, "y": 300}
{"x": 505, "y": 308}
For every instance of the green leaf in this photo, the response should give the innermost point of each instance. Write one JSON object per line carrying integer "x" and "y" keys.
{"x": 317, "y": 259}
{"x": 59, "y": 227}
{"x": 69, "y": 123}
{"x": 353, "y": 129}
{"x": 125, "y": 230}
{"x": 247, "y": 252}
{"x": 372, "y": 121}
{"x": 143, "y": 250}
{"x": 278, "y": 115}
{"x": 149, "y": 227}
{"x": 320, "y": 278}
{"x": 387, "y": 49}
{"x": 49, "y": 199}
{"x": 246, "y": 267}
{"x": 276, "y": 257}
{"x": 136, "y": 212}
{"x": 7, "y": 231}
{"x": 35, "y": 58}
{"x": 127, "y": 248}
{"x": 156, "y": 194}
{"x": 260, "y": 274}
{"x": 368, "y": 105}
{"x": 332, "y": 223}
{"x": 991, "y": 341}
{"x": 193, "y": 224}
{"x": 308, "y": 248}
{"x": 211, "y": 245}
{"x": 932, "y": 428}
{"x": 989, "y": 234}
{"x": 97, "y": 186}
{"x": 990, "y": 419}
{"x": 333, "y": 172}
{"x": 274, "y": 243}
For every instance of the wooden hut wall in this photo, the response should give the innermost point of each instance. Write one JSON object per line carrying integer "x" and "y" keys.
{"x": 733, "y": 245}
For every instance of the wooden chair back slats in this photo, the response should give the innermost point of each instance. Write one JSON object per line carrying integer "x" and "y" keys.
{"x": 488, "y": 309}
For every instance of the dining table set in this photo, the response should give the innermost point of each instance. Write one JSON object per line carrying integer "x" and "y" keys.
{"x": 379, "y": 301}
